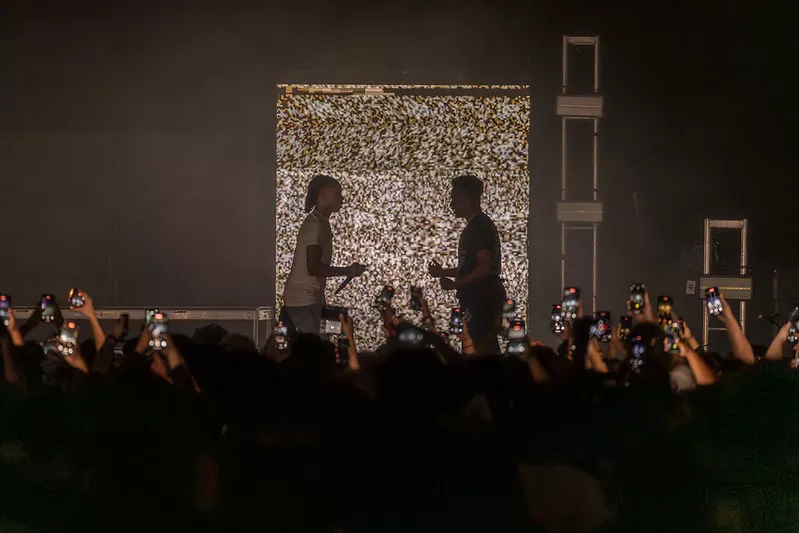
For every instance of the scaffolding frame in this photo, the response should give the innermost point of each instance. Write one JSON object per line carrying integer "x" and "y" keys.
{"x": 580, "y": 216}
{"x": 743, "y": 226}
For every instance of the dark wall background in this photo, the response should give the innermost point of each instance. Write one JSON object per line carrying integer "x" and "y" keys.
{"x": 137, "y": 139}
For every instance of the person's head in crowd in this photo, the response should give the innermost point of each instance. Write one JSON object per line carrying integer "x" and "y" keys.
{"x": 556, "y": 364}
{"x": 649, "y": 362}
{"x": 465, "y": 196}
{"x": 324, "y": 194}
{"x": 312, "y": 360}
{"x": 210, "y": 334}
{"x": 411, "y": 382}
{"x": 238, "y": 342}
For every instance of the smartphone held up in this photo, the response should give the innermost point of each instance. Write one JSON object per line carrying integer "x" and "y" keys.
{"x": 456, "y": 321}
{"x": 159, "y": 328}
{"x": 48, "y": 308}
{"x": 5, "y": 310}
{"x": 602, "y": 328}
{"x": 76, "y": 298}
{"x": 637, "y": 298}
{"x": 571, "y": 302}
{"x": 517, "y": 338}
{"x": 793, "y": 329}
{"x": 557, "y": 322}
{"x": 67, "y": 342}
{"x": 713, "y": 301}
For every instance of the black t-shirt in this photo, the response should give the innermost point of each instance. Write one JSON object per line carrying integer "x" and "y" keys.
{"x": 479, "y": 234}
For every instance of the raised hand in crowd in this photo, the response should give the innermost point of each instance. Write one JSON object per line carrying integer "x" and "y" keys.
{"x": 88, "y": 311}
{"x": 741, "y": 347}
{"x": 776, "y": 350}
{"x": 348, "y": 328}
{"x": 467, "y": 345}
{"x": 648, "y": 315}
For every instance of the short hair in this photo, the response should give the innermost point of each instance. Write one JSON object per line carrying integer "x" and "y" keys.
{"x": 471, "y": 185}
{"x": 315, "y": 186}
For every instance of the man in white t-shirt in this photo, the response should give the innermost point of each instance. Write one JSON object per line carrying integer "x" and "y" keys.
{"x": 304, "y": 293}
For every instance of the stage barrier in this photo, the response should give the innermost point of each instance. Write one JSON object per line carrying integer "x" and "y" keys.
{"x": 262, "y": 318}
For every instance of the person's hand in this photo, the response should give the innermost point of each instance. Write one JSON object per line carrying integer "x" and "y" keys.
{"x": 646, "y": 316}
{"x": 580, "y": 312}
{"x": 726, "y": 315}
{"x": 685, "y": 349}
{"x": 435, "y": 269}
{"x": 58, "y": 317}
{"x": 447, "y": 284}
{"x": 685, "y": 332}
{"x": 355, "y": 270}
{"x": 143, "y": 343}
{"x": 35, "y": 316}
{"x": 464, "y": 334}
{"x": 567, "y": 332}
{"x": 76, "y": 360}
{"x": 425, "y": 309}
{"x": 173, "y": 356}
{"x": 386, "y": 314}
{"x": 87, "y": 309}
{"x": 785, "y": 330}
{"x": 347, "y": 326}
{"x": 12, "y": 321}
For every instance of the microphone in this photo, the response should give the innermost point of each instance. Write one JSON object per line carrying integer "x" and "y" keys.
{"x": 344, "y": 284}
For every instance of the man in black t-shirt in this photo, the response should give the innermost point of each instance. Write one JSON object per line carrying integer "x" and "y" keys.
{"x": 477, "y": 281}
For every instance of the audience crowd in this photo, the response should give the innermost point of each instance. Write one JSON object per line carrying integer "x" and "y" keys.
{"x": 208, "y": 434}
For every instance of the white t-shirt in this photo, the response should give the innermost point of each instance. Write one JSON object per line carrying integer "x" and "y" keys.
{"x": 301, "y": 288}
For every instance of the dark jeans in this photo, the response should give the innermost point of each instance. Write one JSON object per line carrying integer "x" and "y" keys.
{"x": 301, "y": 319}
{"x": 482, "y": 309}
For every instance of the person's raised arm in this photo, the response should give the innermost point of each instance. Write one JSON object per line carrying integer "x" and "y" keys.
{"x": 178, "y": 373}
{"x": 33, "y": 320}
{"x": 537, "y": 369}
{"x": 594, "y": 357}
{"x": 13, "y": 331}
{"x": 776, "y": 351}
{"x": 87, "y": 310}
{"x": 582, "y": 337}
{"x": 348, "y": 327}
{"x": 11, "y": 346}
{"x": 686, "y": 334}
{"x": 467, "y": 344}
{"x": 703, "y": 374}
{"x": 741, "y": 348}
{"x": 320, "y": 269}
{"x": 647, "y": 315}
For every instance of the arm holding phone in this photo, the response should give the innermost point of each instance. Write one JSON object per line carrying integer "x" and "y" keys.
{"x": 776, "y": 350}
{"x": 10, "y": 347}
{"x": 348, "y": 328}
{"x": 741, "y": 348}
{"x": 87, "y": 310}
{"x": 467, "y": 345}
{"x": 703, "y": 374}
